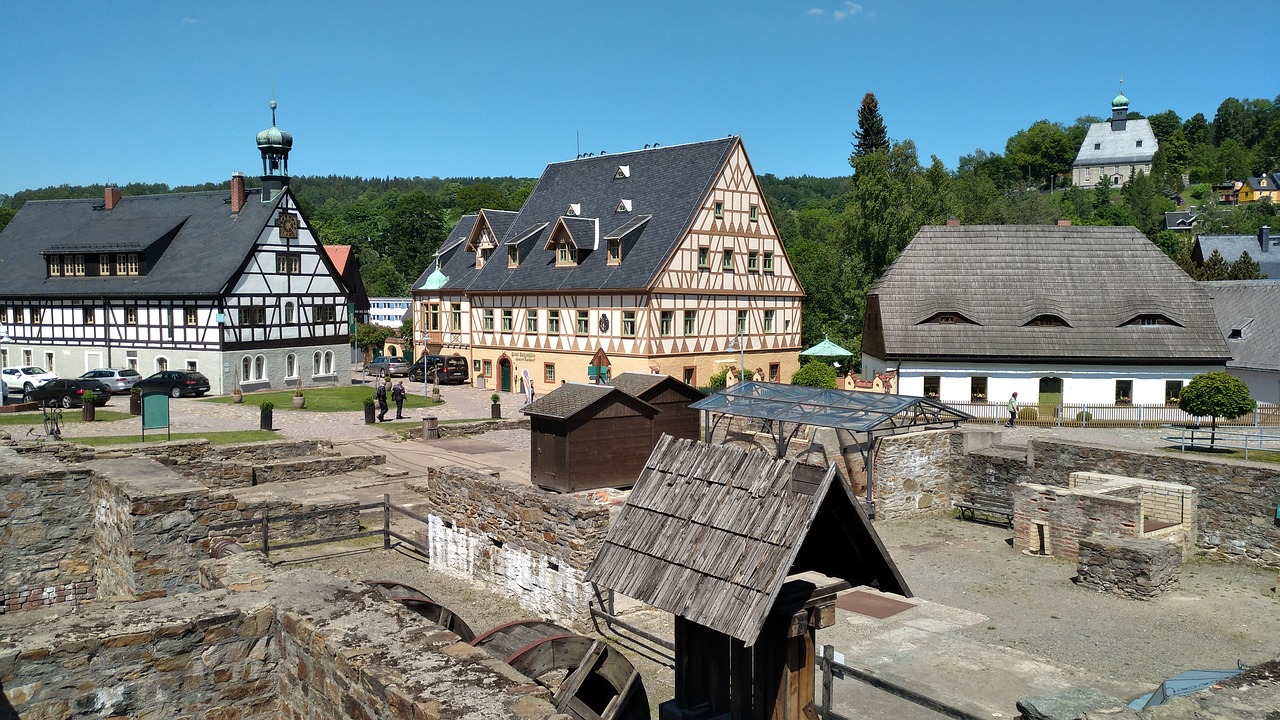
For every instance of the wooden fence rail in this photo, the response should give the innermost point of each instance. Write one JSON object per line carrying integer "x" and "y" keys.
{"x": 1102, "y": 415}
{"x": 385, "y": 531}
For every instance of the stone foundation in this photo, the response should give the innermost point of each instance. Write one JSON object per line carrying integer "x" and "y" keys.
{"x": 1137, "y": 568}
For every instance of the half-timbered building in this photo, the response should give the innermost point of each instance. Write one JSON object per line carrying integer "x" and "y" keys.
{"x": 658, "y": 260}
{"x": 234, "y": 284}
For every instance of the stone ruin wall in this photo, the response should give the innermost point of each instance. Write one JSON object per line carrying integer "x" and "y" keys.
{"x": 1135, "y": 568}
{"x": 1069, "y": 517}
{"x": 913, "y": 474}
{"x": 46, "y": 528}
{"x": 533, "y": 544}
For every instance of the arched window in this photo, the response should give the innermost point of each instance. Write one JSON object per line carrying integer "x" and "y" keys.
{"x": 260, "y": 367}
{"x": 328, "y": 362}
{"x": 315, "y": 363}
{"x": 246, "y": 369}
{"x": 288, "y": 313}
{"x": 162, "y": 364}
{"x": 291, "y": 366}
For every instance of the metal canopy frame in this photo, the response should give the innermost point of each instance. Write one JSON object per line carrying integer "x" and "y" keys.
{"x": 851, "y": 410}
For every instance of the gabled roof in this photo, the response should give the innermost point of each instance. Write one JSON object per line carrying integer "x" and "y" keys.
{"x": 1096, "y": 279}
{"x": 1180, "y": 219}
{"x": 642, "y": 384}
{"x": 571, "y": 399}
{"x": 1251, "y": 310}
{"x": 339, "y": 255}
{"x": 1117, "y": 146}
{"x": 208, "y": 243}
{"x": 711, "y": 533}
{"x": 1231, "y": 247}
{"x": 667, "y": 183}
{"x": 1265, "y": 183}
{"x": 850, "y": 410}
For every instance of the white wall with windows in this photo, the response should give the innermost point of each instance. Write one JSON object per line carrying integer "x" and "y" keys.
{"x": 388, "y": 311}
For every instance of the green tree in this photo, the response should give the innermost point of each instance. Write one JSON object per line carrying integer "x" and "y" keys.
{"x": 871, "y": 134}
{"x": 1216, "y": 394}
{"x": 1197, "y": 129}
{"x": 1045, "y": 149}
{"x": 473, "y": 198}
{"x": 887, "y": 205}
{"x": 815, "y": 374}
{"x": 835, "y": 294}
{"x": 372, "y": 337}
{"x": 1214, "y": 268}
{"x": 1232, "y": 122}
{"x": 6, "y": 214}
{"x": 1245, "y": 268}
{"x": 1164, "y": 125}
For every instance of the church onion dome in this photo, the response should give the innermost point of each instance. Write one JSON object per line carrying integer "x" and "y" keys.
{"x": 274, "y": 137}
{"x": 435, "y": 280}
{"x": 1119, "y": 101}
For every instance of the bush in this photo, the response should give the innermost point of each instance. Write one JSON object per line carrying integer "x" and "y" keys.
{"x": 1029, "y": 413}
{"x": 719, "y": 380}
{"x": 267, "y": 406}
{"x": 88, "y": 397}
{"x": 815, "y": 374}
{"x": 368, "y": 402}
{"x": 1084, "y": 416}
{"x": 494, "y": 398}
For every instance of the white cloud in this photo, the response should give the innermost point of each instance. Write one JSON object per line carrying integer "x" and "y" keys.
{"x": 191, "y": 21}
{"x": 850, "y": 8}
{"x": 816, "y": 12}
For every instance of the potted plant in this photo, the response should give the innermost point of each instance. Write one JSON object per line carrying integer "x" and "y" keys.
{"x": 237, "y": 395}
{"x": 135, "y": 401}
{"x": 299, "y": 400}
{"x": 496, "y": 407}
{"x": 264, "y": 420}
{"x": 369, "y": 416}
{"x": 88, "y": 411}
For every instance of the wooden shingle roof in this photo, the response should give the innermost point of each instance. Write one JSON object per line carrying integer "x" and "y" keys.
{"x": 711, "y": 532}
{"x": 1098, "y": 280}
{"x": 573, "y": 398}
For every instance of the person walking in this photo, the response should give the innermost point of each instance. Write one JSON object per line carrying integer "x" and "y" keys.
{"x": 381, "y": 396}
{"x": 397, "y": 394}
{"x": 1013, "y": 410}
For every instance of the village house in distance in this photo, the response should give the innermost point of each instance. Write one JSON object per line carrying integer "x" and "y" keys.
{"x": 233, "y": 285}
{"x": 657, "y": 260}
{"x": 1058, "y": 314}
{"x": 1115, "y": 149}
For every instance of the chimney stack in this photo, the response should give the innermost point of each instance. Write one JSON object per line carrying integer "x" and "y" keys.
{"x": 1264, "y": 238}
{"x": 237, "y": 192}
{"x": 111, "y": 197}
{"x": 953, "y": 221}
{"x": 1063, "y": 222}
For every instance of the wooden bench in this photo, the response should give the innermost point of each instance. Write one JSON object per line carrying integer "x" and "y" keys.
{"x": 987, "y": 503}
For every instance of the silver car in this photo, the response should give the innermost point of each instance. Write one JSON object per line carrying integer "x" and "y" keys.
{"x": 386, "y": 366}
{"x": 118, "y": 380}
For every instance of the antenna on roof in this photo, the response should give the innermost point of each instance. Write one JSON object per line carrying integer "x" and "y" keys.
{"x": 602, "y": 152}
{"x": 577, "y": 142}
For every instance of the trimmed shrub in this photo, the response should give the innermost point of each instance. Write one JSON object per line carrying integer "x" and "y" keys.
{"x": 1028, "y": 413}
{"x": 1084, "y": 416}
{"x": 815, "y": 374}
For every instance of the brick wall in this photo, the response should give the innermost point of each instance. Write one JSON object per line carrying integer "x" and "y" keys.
{"x": 1067, "y": 517}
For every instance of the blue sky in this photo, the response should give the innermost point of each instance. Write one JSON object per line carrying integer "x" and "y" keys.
{"x": 174, "y": 92}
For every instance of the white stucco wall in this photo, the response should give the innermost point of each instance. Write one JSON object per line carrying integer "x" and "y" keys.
{"x": 1263, "y": 386}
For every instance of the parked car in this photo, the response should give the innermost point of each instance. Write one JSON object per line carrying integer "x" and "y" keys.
{"x": 440, "y": 369}
{"x": 21, "y": 379}
{"x": 118, "y": 380}
{"x": 387, "y": 367}
{"x": 175, "y": 382}
{"x": 68, "y": 393}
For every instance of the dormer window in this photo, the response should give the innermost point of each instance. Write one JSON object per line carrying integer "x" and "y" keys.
{"x": 513, "y": 256}
{"x": 948, "y": 317}
{"x": 624, "y": 171}
{"x": 1151, "y": 320}
{"x": 566, "y": 254}
{"x": 615, "y": 251}
{"x": 482, "y": 256}
{"x": 1047, "y": 321}
{"x": 624, "y": 206}
{"x": 574, "y": 210}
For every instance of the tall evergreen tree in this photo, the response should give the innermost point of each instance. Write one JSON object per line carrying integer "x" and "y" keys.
{"x": 871, "y": 133}
{"x": 1245, "y": 268}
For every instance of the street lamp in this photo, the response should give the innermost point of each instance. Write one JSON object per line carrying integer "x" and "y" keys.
{"x": 736, "y": 343}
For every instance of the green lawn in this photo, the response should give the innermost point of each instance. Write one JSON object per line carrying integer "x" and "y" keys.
{"x": 230, "y": 437}
{"x": 1263, "y": 456}
{"x": 337, "y": 399}
{"x": 72, "y": 415}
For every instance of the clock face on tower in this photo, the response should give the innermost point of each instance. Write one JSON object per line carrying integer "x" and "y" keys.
{"x": 288, "y": 225}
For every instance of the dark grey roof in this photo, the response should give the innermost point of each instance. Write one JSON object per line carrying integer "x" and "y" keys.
{"x": 458, "y": 263}
{"x": 1231, "y": 247}
{"x": 850, "y": 410}
{"x": 206, "y": 243}
{"x": 711, "y": 532}
{"x": 1117, "y": 146}
{"x": 1264, "y": 183}
{"x": 572, "y": 398}
{"x": 1249, "y": 312}
{"x": 666, "y": 183}
{"x": 638, "y": 384}
{"x": 1001, "y": 276}
{"x": 1180, "y": 219}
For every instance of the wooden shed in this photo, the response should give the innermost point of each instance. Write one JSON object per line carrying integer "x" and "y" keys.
{"x": 748, "y": 552}
{"x": 672, "y": 399}
{"x": 588, "y": 436}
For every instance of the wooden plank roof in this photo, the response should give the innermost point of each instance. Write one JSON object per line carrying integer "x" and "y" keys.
{"x": 710, "y": 533}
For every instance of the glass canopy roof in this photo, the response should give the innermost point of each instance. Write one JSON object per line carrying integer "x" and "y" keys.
{"x": 843, "y": 409}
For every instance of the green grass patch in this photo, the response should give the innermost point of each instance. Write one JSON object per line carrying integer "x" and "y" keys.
{"x": 71, "y": 415}
{"x": 336, "y": 399}
{"x": 230, "y": 437}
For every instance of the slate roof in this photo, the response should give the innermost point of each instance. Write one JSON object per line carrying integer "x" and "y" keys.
{"x": 1231, "y": 247}
{"x": 710, "y": 533}
{"x": 1264, "y": 183}
{"x": 572, "y": 398}
{"x": 666, "y": 183}
{"x": 1251, "y": 310}
{"x": 1180, "y": 219}
{"x": 637, "y": 384}
{"x": 1000, "y": 277}
{"x": 1117, "y": 146}
{"x": 208, "y": 243}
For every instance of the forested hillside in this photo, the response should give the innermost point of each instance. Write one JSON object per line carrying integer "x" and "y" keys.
{"x": 842, "y": 232}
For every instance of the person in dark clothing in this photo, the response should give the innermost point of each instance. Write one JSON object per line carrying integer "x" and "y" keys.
{"x": 397, "y": 394}
{"x": 381, "y": 395}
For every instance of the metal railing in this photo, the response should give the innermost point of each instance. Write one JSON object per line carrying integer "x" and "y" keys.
{"x": 1103, "y": 415}
{"x": 387, "y": 534}
{"x": 1201, "y": 436}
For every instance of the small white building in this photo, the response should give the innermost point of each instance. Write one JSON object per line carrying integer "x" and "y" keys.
{"x": 1115, "y": 149}
{"x": 1058, "y": 314}
{"x": 389, "y": 311}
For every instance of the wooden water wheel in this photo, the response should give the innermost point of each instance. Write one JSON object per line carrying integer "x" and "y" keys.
{"x": 424, "y": 605}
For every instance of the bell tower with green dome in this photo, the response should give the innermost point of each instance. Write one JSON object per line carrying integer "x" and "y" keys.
{"x": 274, "y": 144}
{"x": 1119, "y": 110}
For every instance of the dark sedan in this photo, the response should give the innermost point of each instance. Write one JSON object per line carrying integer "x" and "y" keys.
{"x": 176, "y": 383}
{"x": 68, "y": 393}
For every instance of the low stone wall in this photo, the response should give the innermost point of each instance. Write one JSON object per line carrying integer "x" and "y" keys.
{"x": 1137, "y": 568}
{"x": 912, "y": 474}
{"x": 312, "y": 467}
{"x": 1237, "y": 500}
{"x": 1059, "y": 519}
{"x": 534, "y": 544}
{"x": 475, "y": 427}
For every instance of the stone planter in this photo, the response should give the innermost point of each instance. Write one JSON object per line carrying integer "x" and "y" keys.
{"x": 237, "y": 397}
{"x": 264, "y": 420}
{"x": 88, "y": 412}
{"x": 370, "y": 416}
{"x": 299, "y": 401}
{"x": 496, "y": 409}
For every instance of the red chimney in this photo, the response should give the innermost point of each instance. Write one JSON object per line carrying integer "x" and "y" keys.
{"x": 111, "y": 197}
{"x": 1063, "y": 222}
{"x": 953, "y": 221}
{"x": 237, "y": 192}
